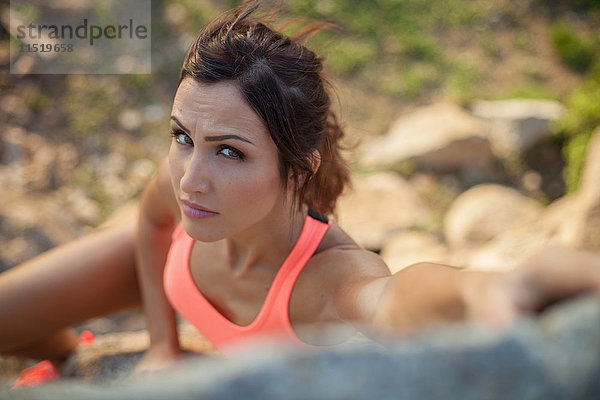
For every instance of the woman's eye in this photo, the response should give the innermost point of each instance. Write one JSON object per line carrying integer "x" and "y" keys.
{"x": 182, "y": 138}
{"x": 230, "y": 152}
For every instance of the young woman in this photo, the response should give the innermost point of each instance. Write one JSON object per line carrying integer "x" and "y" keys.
{"x": 232, "y": 234}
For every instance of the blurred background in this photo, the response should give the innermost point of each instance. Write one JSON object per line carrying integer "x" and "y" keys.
{"x": 75, "y": 149}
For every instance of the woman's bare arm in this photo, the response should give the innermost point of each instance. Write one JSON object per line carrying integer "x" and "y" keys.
{"x": 159, "y": 214}
{"x": 424, "y": 294}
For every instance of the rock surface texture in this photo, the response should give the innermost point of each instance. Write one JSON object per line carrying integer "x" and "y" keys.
{"x": 441, "y": 137}
{"x": 555, "y": 356}
{"x": 482, "y": 212}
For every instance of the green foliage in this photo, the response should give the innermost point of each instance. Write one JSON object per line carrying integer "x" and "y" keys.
{"x": 574, "y": 50}
{"x": 392, "y": 46}
{"x": 196, "y": 15}
{"x": 574, "y": 152}
{"x": 532, "y": 90}
{"x": 352, "y": 55}
{"x": 581, "y": 118}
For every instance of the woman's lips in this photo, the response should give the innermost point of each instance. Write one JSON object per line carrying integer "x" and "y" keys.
{"x": 196, "y": 211}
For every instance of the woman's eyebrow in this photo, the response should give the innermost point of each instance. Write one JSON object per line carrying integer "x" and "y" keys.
{"x": 180, "y": 125}
{"x": 225, "y": 137}
{"x": 213, "y": 138}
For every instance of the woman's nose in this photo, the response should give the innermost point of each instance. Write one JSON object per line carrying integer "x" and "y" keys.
{"x": 195, "y": 176}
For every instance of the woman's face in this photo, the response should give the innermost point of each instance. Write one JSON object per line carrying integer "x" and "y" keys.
{"x": 224, "y": 165}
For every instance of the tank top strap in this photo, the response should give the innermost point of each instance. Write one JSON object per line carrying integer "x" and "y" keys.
{"x": 313, "y": 231}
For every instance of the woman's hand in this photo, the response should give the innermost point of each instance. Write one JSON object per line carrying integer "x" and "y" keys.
{"x": 552, "y": 275}
{"x": 157, "y": 358}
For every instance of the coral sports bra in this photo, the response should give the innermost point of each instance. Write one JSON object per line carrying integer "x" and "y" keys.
{"x": 272, "y": 321}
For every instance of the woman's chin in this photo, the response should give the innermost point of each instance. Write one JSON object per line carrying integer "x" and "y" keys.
{"x": 202, "y": 231}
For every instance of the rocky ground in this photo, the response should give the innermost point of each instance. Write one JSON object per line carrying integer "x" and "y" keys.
{"x": 552, "y": 357}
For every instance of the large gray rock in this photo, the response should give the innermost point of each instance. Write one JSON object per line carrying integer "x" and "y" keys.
{"x": 554, "y": 357}
{"x": 440, "y": 137}
{"x": 515, "y": 125}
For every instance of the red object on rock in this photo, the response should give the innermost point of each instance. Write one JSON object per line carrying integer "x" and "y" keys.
{"x": 86, "y": 337}
{"x": 41, "y": 372}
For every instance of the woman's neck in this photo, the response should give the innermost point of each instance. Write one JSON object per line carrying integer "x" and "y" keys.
{"x": 266, "y": 243}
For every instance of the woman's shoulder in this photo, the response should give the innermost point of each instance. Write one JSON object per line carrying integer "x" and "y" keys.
{"x": 339, "y": 254}
{"x": 329, "y": 286}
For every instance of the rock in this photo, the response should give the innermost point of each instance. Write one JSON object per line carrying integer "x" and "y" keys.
{"x": 440, "y": 137}
{"x": 572, "y": 221}
{"x": 553, "y": 357}
{"x": 380, "y": 205}
{"x": 484, "y": 211}
{"x": 407, "y": 248}
{"x": 517, "y": 124}
{"x": 513, "y": 246}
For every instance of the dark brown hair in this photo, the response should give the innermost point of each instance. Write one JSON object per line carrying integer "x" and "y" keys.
{"x": 283, "y": 82}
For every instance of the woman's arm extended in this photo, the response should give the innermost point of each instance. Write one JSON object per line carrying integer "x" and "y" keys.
{"x": 425, "y": 294}
{"x": 158, "y": 216}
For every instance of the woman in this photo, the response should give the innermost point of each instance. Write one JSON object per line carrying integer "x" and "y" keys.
{"x": 231, "y": 231}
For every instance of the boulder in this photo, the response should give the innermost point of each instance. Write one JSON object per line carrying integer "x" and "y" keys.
{"x": 440, "y": 137}
{"x": 379, "y": 205}
{"x": 484, "y": 211}
{"x": 515, "y": 245}
{"x": 572, "y": 221}
{"x": 406, "y": 248}
{"x": 516, "y": 125}
{"x": 556, "y": 356}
